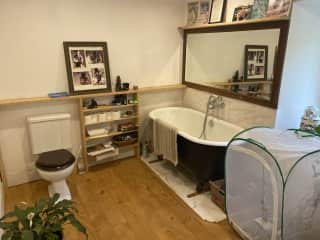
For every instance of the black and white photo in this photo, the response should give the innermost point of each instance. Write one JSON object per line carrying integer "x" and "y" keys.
{"x": 78, "y": 59}
{"x": 94, "y": 56}
{"x": 98, "y": 76}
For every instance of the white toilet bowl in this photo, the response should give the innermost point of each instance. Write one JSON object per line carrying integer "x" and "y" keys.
{"x": 55, "y": 167}
{"x": 57, "y": 180}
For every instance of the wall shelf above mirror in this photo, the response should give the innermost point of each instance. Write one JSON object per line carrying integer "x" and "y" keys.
{"x": 238, "y": 60}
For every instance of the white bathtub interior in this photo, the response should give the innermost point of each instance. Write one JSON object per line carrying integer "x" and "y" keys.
{"x": 190, "y": 123}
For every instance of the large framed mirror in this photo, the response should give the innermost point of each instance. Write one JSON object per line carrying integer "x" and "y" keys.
{"x": 242, "y": 61}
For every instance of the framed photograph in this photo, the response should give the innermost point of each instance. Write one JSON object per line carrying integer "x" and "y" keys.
{"x": 193, "y": 12}
{"x": 204, "y": 13}
{"x": 259, "y": 9}
{"x": 279, "y": 8}
{"x": 256, "y": 62}
{"x": 217, "y": 11}
{"x": 242, "y": 13}
{"x": 87, "y": 66}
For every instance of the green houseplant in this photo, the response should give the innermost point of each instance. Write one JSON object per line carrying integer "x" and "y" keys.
{"x": 43, "y": 221}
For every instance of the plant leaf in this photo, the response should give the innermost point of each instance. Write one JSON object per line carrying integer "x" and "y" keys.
{"x": 7, "y": 236}
{"x": 75, "y": 223}
{"x": 27, "y": 235}
{"x": 8, "y": 215}
{"x": 55, "y": 198}
{"x": 40, "y": 205}
{"x": 6, "y": 225}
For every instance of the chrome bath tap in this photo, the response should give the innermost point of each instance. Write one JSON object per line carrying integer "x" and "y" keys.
{"x": 214, "y": 102}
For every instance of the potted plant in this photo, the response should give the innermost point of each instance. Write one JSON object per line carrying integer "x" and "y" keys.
{"x": 43, "y": 221}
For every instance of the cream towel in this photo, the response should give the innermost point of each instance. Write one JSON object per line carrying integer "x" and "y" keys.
{"x": 165, "y": 141}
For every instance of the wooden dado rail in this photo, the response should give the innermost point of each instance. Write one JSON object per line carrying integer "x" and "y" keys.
{"x": 17, "y": 101}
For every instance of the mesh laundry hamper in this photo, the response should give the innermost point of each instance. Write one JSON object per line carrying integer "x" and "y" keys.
{"x": 273, "y": 184}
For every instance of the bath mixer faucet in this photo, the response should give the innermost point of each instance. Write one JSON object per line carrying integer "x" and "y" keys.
{"x": 214, "y": 102}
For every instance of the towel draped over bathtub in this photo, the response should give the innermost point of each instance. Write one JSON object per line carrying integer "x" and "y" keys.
{"x": 165, "y": 140}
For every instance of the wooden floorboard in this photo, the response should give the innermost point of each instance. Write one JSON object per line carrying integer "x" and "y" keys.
{"x": 125, "y": 200}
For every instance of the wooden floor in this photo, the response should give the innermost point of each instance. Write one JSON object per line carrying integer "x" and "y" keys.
{"x": 125, "y": 200}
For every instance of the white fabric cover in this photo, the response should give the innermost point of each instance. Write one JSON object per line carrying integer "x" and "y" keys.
{"x": 165, "y": 140}
{"x": 273, "y": 184}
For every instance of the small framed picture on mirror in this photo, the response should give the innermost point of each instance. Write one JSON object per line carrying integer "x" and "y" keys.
{"x": 256, "y": 63}
{"x": 87, "y": 66}
{"x": 217, "y": 11}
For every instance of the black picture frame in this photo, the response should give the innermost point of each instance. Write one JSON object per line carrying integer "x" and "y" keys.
{"x": 87, "y": 65}
{"x": 256, "y": 63}
{"x": 222, "y": 7}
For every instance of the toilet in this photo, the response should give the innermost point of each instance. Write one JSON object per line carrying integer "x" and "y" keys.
{"x": 50, "y": 137}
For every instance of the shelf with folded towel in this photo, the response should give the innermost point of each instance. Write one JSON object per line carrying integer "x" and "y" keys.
{"x": 114, "y": 120}
{"x": 112, "y": 134}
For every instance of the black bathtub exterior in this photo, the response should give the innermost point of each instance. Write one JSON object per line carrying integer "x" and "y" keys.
{"x": 202, "y": 161}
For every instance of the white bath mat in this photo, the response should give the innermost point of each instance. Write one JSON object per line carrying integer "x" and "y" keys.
{"x": 182, "y": 186}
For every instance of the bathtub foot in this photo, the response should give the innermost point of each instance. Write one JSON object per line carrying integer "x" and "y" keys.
{"x": 191, "y": 195}
{"x": 202, "y": 187}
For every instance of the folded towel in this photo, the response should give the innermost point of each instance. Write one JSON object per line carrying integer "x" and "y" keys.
{"x": 165, "y": 141}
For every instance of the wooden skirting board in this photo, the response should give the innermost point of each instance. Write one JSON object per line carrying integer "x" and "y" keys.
{"x": 5, "y": 102}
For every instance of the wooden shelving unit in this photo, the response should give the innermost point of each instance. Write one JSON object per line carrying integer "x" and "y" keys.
{"x": 102, "y": 138}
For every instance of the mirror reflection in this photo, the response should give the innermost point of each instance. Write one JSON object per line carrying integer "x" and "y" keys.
{"x": 242, "y": 62}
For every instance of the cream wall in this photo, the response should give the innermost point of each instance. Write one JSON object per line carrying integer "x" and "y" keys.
{"x": 144, "y": 48}
{"x": 300, "y": 86}
{"x": 144, "y": 43}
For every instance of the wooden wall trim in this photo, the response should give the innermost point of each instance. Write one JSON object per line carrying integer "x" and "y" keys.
{"x": 6, "y": 102}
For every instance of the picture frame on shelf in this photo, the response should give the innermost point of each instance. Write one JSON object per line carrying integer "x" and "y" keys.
{"x": 256, "y": 63}
{"x": 198, "y": 12}
{"x": 259, "y": 9}
{"x": 279, "y": 8}
{"x": 87, "y": 65}
{"x": 242, "y": 13}
{"x": 193, "y": 12}
{"x": 204, "y": 12}
{"x": 217, "y": 11}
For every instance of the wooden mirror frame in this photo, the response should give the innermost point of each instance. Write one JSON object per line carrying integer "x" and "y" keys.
{"x": 282, "y": 25}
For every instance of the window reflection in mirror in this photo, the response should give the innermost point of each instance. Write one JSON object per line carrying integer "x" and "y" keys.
{"x": 242, "y": 62}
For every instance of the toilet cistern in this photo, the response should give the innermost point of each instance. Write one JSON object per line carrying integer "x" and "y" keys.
{"x": 50, "y": 137}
